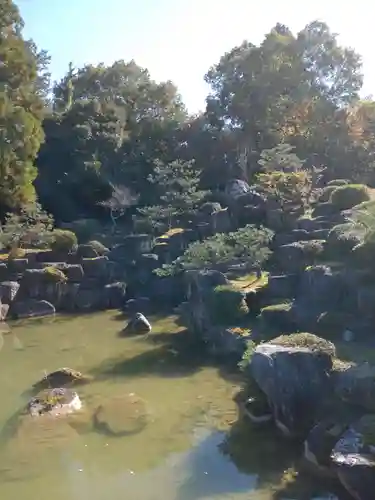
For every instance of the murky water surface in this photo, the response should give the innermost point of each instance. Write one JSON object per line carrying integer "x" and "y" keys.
{"x": 189, "y": 446}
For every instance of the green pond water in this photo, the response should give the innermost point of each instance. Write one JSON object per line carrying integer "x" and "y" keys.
{"x": 192, "y": 447}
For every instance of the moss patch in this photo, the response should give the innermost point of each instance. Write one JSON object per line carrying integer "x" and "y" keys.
{"x": 306, "y": 340}
{"x": 283, "y": 306}
{"x": 171, "y": 232}
{"x": 250, "y": 282}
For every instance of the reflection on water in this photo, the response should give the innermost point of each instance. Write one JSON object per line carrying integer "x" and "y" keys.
{"x": 190, "y": 449}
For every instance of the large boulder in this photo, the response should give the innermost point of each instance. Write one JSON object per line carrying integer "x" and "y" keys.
{"x": 282, "y": 286}
{"x": 132, "y": 246}
{"x": 198, "y": 283}
{"x": 356, "y": 385}
{"x": 54, "y": 402}
{"x": 295, "y": 257}
{"x": 226, "y": 343}
{"x": 96, "y": 268}
{"x": 294, "y": 373}
{"x": 334, "y": 421}
{"x": 353, "y": 458}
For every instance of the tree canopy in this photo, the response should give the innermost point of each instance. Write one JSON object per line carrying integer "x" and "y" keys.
{"x": 101, "y": 128}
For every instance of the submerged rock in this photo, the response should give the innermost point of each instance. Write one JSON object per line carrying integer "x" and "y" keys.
{"x": 121, "y": 416}
{"x": 353, "y": 458}
{"x": 54, "y": 402}
{"x": 61, "y": 377}
{"x": 139, "y": 324}
{"x": 320, "y": 442}
{"x": 293, "y": 372}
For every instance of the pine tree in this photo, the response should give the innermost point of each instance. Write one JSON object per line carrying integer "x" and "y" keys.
{"x": 21, "y": 111}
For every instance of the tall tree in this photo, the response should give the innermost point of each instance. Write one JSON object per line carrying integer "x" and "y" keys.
{"x": 289, "y": 88}
{"x": 21, "y": 111}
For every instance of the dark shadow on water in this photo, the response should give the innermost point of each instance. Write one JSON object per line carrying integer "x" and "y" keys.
{"x": 173, "y": 355}
{"x": 246, "y": 459}
{"x": 259, "y": 450}
{"x": 263, "y": 451}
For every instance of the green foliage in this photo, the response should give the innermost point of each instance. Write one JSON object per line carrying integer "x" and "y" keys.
{"x": 63, "y": 240}
{"x": 54, "y": 275}
{"x": 342, "y": 239}
{"x": 350, "y": 195}
{"x": 249, "y": 245}
{"x": 29, "y": 227}
{"x": 243, "y": 365}
{"x": 282, "y": 179}
{"x": 179, "y": 195}
{"x": 227, "y": 305}
{"x": 110, "y": 124}
{"x": 289, "y": 190}
{"x": 115, "y": 138}
{"x": 21, "y": 111}
{"x": 281, "y": 158}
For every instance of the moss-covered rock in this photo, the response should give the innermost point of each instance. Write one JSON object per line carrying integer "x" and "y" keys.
{"x": 60, "y": 378}
{"x": 227, "y": 305}
{"x": 54, "y": 275}
{"x": 63, "y": 241}
{"x": 121, "y": 416}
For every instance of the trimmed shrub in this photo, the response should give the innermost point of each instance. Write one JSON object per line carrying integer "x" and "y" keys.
{"x": 63, "y": 241}
{"x": 346, "y": 197}
{"x": 227, "y": 305}
{"x": 250, "y": 244}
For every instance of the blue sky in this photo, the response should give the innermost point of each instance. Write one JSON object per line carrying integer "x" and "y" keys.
{"x": 179, "y": 40}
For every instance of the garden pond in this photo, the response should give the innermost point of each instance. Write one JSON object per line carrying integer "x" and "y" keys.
{"x": 192, "y": 447}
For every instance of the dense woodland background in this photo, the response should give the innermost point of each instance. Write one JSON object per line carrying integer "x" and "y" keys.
{"x": 109, "y": 140}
